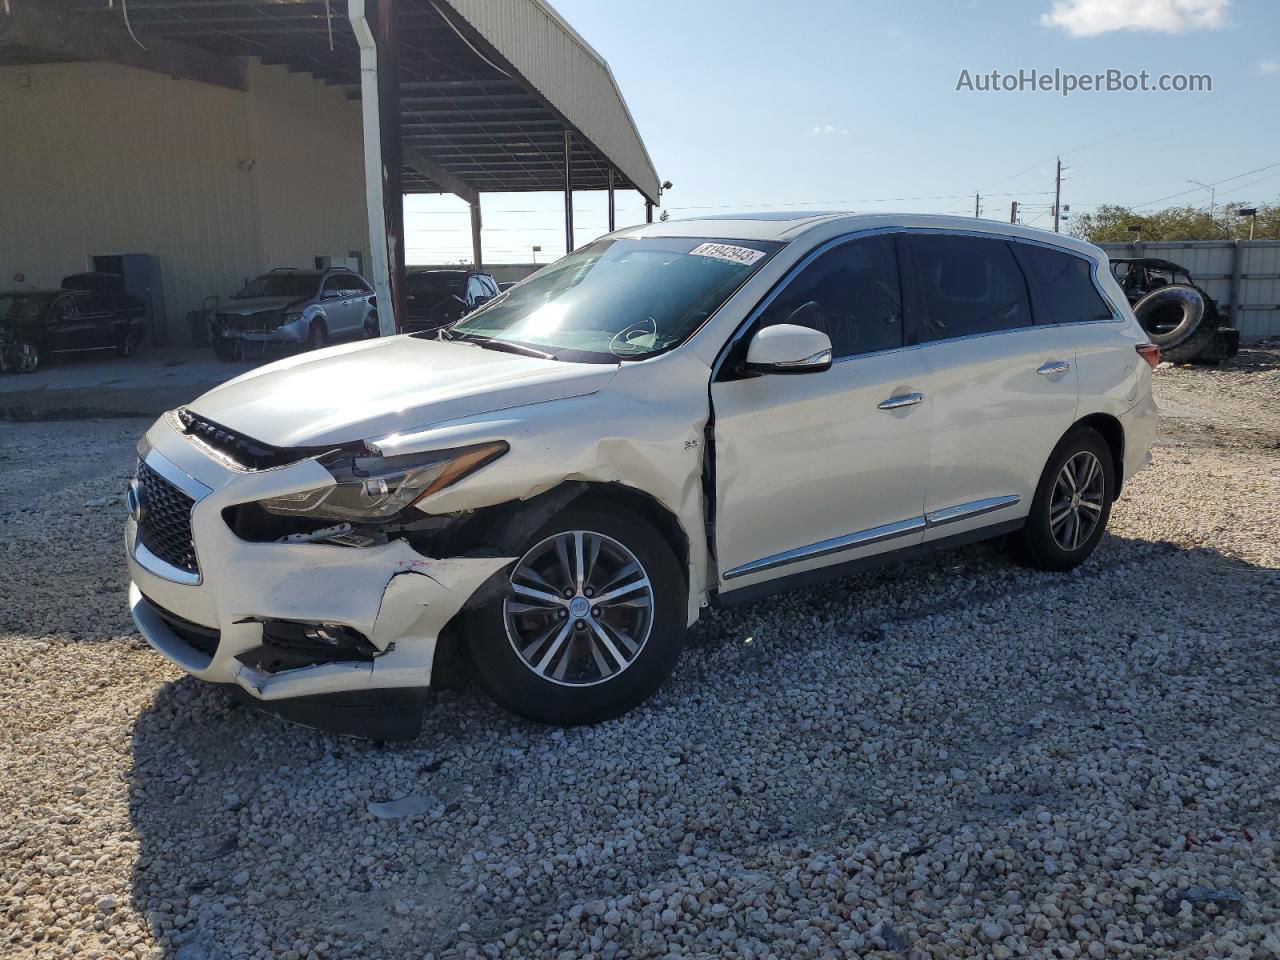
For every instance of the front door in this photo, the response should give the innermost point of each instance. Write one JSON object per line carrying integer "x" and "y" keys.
{"x": 817, "y": 469}
{"x": 335, "y": 296}
{"x": 1001, "y": 378}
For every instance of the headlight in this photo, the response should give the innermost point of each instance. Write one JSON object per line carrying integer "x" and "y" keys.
{"x": 289, "y": 318}
{"x": 372, "y": 488}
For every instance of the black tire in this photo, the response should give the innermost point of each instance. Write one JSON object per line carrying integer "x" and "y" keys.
{"x": 1172, "y": 315}
{"x": 515, "y": 685}
{"x": 371, "y": 327}
{"x": 317, "y": 336}
{"x": 128, "y": 345}
{"x": 1199, "y": 342}
{"x": 1037, "y": 544}
{"x": 228, "y": 351}
{"x": 24, "y": 356}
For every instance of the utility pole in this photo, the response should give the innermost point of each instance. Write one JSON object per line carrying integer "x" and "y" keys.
{"x": 1057, "y": 197}
{"x": 1013, "y": 211}
{"x": 977, "y": 206}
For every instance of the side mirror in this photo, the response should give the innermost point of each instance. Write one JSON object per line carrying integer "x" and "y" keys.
{"x": 788, "y": 348}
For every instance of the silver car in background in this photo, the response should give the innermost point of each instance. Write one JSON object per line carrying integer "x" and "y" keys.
{"x": 289, "y": 308}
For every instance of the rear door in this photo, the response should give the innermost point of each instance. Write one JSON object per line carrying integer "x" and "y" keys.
{"x": 817, "y": 469}
{"x": 1003, "y": 386}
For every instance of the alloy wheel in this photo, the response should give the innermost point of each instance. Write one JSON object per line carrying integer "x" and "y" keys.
{"x": 26, "y": 357}
{"x": 579, "y": 609}
{"x": 1075, "y": 508}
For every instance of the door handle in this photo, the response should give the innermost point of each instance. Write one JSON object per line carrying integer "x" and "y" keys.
{"x": 900, "y": 400}
{"x": 1052, "y": 367}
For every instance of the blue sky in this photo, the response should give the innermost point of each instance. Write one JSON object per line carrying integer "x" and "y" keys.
{"x": 853, "y": 105}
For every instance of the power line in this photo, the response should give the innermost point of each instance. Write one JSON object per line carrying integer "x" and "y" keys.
{"x": 1183, "y": 193}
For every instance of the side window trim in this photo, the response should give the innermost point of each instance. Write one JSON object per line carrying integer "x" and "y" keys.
{"x": 719, "y": 372}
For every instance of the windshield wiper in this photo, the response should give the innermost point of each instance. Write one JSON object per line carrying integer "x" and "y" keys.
{"x": 504, "y": 346}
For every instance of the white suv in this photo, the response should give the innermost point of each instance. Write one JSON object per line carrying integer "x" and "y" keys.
{"x": 677, "y": 415}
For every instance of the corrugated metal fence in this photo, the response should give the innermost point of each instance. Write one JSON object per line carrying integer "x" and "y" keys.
{"x": 1243, "y": 276}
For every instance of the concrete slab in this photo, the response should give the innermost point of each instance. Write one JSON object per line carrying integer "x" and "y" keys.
{"x": 92, "y": 385}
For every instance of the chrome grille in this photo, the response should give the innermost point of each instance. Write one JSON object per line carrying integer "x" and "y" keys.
{"x": 165, "y": 528}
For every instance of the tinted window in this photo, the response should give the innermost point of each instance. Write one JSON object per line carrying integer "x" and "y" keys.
{"x": 850, "y": 293}
{"x": 968, "y": 285}
{"x": 1064, "y": 284}
{"x": 359, "y": 285}
{"x": 334, "y": 286}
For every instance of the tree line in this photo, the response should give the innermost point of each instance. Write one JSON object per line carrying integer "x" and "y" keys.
{"x": 1111, "y": 223}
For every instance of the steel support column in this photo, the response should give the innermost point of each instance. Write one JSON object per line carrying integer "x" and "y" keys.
{"x": 386, "y": 33}
{"x": 568, "y": 192}
{"x": 648, "y": 211}
{"x": 476, "y": 254}
{"x": 611, "y": 212}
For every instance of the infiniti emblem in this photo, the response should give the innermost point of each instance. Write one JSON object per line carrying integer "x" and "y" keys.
{"x": 136, "y": 499}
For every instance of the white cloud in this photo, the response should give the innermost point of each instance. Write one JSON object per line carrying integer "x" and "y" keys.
{"x": 1268, "y": 67}
{"x": 1088, "y": 18}
{"x": 826, "y": 130}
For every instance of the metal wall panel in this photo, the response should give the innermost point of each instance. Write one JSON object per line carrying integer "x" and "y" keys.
{"x": 1211, "y": 262}
{"x": 216, "y": 184}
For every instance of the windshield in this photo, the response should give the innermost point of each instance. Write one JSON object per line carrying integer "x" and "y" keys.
{"x": 619, "y": 299}
{"x": 280, "y": 285}
{"x": 23, "y": 306}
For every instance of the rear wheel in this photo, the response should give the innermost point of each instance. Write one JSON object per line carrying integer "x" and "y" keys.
{"x": 371, "y": 326}
{"x": 1071, "y": 505}
{"x": 591, "y": 622}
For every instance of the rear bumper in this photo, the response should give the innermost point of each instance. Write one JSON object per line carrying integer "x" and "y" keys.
{"x": 394, "y": 596}
{"x": 1141, "y": 423}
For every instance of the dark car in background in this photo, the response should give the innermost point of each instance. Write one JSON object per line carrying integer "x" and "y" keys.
{"x": 90, "y": 311}
{"x": 293, "y": 308}
{"x": 436, "y": 298}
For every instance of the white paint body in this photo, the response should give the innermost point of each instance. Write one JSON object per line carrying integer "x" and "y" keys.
{"x": 799, "y": 460}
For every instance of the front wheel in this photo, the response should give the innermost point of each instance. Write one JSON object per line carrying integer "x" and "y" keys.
{"x": 1071, "y": 505}
{"x": 317, "y": 336}
{"x": 590, "y": 624}
{"x": 24, "y": 357}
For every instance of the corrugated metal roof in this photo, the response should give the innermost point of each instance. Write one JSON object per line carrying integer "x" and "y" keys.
{"x": 570, "y": 74}
{"x": 488, "y": 87}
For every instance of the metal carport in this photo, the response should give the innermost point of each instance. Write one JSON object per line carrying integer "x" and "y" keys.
{"x": 459, "y": 96}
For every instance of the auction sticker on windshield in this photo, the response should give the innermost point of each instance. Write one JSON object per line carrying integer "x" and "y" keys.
{"x": 727, "y": 251}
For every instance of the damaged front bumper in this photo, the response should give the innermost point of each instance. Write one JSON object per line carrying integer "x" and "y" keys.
{"x": 215, "y": 620}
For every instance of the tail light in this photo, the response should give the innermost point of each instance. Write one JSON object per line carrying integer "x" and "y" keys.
{"x": 1150, "y": 353}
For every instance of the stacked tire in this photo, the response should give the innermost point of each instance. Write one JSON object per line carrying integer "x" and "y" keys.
{"x": 1182, "y": 321}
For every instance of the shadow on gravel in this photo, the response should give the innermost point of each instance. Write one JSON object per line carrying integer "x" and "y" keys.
{"x": 810, "y": 721}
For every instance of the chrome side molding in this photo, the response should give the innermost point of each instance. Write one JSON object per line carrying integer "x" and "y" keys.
{"x": 864, "y": 538}
{"x": 963, "y": 511}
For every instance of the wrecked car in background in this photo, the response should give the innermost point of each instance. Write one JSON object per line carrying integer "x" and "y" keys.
{"x": 436, "y": 298}
{"x": 676, "y": 415}
{"x": 89, "y": 312}
{"x": 290, "y": 308}
{"x": 1178, "y": 315}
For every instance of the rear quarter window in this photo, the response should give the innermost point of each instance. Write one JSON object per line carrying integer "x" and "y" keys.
{"x": 1063, "y": 284}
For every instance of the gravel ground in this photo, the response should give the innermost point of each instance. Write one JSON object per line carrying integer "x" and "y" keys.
{"x": 955, "y": 758}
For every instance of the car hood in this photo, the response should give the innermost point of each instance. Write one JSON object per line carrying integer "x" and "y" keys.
{"x": 376, "y": 387}
{"x": 252, "y": 305}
